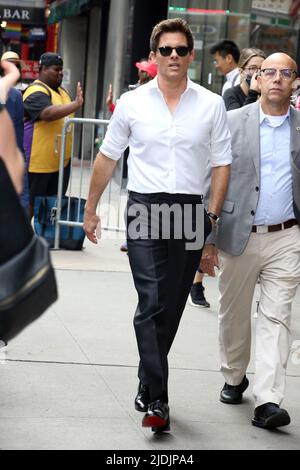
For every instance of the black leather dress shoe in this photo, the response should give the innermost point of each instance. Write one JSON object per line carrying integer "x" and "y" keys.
{"x": 157, "y": 417}
{"x": 233, "y": 394}
{"x": 270, "y": 416}
{"x": 142, "y": 399}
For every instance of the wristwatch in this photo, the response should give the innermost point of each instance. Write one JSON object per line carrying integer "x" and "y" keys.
{"x": 213, "y": 216}
{"x": 2, "y": 106}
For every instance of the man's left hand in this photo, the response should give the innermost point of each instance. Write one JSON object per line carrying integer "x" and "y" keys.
{"x": 79, "y": 95}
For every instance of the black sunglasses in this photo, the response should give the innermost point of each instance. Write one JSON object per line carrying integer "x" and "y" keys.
{"x": 166, "y": 51}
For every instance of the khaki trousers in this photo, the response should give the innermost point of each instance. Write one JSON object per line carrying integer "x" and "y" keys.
{"x": 275, "y": 258}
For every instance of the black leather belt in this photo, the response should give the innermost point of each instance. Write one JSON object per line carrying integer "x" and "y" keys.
{"x": 274, "y": 228}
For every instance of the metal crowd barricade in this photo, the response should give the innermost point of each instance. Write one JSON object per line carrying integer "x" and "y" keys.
{"x": 113, "y": 200}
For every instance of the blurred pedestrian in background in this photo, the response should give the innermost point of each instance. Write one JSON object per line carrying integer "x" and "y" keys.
{"x": 295, "y": 98}
{"x": 14, "y": 106}
{"x": 46, "y": 105}
{"x": 12, "y": 240}
{"x": 247, "y": 91}
{"x": 226, "y": 55}
{"x": 147, "y": 70}
{"x": 14, "y": 57}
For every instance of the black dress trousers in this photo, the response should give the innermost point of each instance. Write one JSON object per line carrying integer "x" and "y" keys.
{"x": 163, "y": 270}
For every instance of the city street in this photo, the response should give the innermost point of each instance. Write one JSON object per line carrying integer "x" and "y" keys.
{"x": 182, "y": 118}
{"x": 69, "y": 380}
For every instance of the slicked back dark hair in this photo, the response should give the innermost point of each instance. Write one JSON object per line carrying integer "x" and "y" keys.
{"x": 175, "y": 25}
{"x": 225, "y": 48}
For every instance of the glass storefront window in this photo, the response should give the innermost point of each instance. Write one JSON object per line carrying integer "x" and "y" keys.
{"x": 232, "y": 5}
{"x": 275, "y": 26}
{"x": 271, "y": 25}
{"x": 210, "y": 22}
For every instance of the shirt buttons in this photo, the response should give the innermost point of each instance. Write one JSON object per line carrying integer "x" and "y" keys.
{"x": 252, "y": 213}
{"x": 257, "y": 188}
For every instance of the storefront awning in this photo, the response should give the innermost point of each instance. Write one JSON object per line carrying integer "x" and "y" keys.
{"x": 65, "y": 8}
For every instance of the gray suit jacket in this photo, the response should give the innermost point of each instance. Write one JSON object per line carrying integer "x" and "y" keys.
{"x": 239, "y": 207}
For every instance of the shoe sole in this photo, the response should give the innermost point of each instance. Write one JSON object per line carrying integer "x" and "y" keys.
{"x": 161, "y": 429}
{"x": 275, "y": 421}
{"x": 197, "y": 305}
{"x": 155, "y": 422}
{"x": 236, "y": 402}
{"x": 229, "y": 402}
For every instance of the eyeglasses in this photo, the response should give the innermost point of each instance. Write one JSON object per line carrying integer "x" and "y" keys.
{"x": 285, "y": 74}
{"x": 252, "y": 69}
{"x": 166, "y": 51}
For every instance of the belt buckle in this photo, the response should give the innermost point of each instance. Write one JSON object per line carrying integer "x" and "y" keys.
{"x": 262, "y": 229}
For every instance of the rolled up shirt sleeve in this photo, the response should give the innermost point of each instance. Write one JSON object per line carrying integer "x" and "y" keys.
{"x": 220, "y": 137}
{"x": 117, "y": 135}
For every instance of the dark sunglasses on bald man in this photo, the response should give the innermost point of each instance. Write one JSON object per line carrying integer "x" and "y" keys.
{"x": 166, "y": 51}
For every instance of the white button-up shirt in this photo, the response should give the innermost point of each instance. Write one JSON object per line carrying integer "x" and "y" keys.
{"x": 275, "y": 203}
{"x": 232, "y": 79}
{"x": 169, "y": 152}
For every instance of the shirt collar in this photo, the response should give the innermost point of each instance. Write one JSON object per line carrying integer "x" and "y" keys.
{"x": 264, "y": 117}
{"x": 154, "y": 84}
{"x": 230, "y": 76}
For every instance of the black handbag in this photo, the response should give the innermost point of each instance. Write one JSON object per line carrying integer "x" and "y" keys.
{"x": 27, "y": 279}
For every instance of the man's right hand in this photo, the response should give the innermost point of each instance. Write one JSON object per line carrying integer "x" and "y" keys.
{"x": 209, "y": 259}
{"x": 254, "y": 83}
{"x": 90, "y": 222}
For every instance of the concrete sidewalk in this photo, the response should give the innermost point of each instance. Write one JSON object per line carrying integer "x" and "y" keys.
{"x": 69, "y": 380}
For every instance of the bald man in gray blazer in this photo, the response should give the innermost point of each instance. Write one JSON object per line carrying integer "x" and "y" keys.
{"x": 258, "y": 236}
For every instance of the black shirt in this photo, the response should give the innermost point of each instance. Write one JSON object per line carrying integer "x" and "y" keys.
{"x": 235, "y": 98}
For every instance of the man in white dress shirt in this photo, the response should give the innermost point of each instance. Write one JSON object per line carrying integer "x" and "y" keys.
{"x": 259, "y": 237}
{"x": 226, "y": 56}
{"x": 173, "y": 128}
